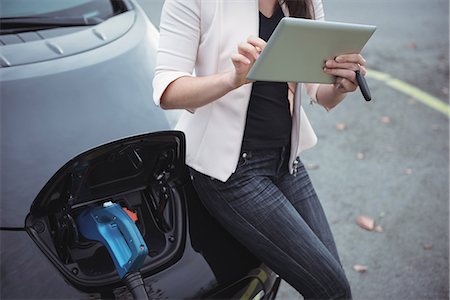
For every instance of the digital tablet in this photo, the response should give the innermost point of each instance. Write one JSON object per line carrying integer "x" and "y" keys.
{"x": 298, "y": 49}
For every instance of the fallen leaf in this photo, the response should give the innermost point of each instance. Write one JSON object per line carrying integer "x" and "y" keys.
{"x": 408, "y": 171}
{"x": 360, "y": 268}
{"x": 360, "y": 156}
{"x": 341, "y": 126}
{"x": 427, "y": 246}
{"x": 378, "y": 228}
{"x": 412, "y": 45}
{"x": 312, "y": 166}
{"x": 365, "y": 222}
{"x": 385, "y": 120}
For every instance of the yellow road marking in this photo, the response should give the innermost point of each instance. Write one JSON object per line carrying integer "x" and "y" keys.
{"x": 410, "y": 90}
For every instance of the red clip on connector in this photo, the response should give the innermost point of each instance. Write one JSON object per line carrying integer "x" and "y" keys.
{"x": 131, "y": 214}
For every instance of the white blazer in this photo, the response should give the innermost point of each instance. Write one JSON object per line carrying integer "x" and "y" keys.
{"x": 200, "y": 36}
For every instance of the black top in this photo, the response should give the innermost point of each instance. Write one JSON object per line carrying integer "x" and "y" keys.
{"x": 268, "y": 117}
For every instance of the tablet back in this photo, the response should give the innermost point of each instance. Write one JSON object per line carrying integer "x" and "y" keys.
{"x": 298, "y": 48}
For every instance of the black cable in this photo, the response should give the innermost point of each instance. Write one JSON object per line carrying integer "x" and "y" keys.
{"x": 12, "y": 228}
{"x": 135, "y": 285}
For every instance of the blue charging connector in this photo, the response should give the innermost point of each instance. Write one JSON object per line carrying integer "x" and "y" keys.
{"x": 110, "y": 225}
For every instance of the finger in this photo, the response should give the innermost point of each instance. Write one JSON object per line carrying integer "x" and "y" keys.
{"x": 344, "y": 73}
{"x": 351, "y": 66}
{"x": 352, "y": 58}
{"x": 347, "y": 85}
{"x": 257, "y": 42}
{"x": 363, "y": 70}
{"x": 248, "y": 50}
{"x": 335, "y": 65}
{"x": 237, "y": 58}
{"x": 337, "y": 83}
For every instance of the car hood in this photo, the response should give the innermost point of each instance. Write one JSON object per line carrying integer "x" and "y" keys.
{"x": 61, "y": 42}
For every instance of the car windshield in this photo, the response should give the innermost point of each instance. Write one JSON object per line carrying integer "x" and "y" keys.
{"x": 60, "y": 9}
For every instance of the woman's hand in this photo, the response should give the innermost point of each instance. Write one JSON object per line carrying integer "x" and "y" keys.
{"x": 344, "y": 67}
{"x": 190, "y": 92}
{"x": 244, "y": 59}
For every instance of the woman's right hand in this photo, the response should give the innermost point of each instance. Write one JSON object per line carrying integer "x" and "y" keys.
{"x": 190, "y": 92}
{"x": 247, "y": 54}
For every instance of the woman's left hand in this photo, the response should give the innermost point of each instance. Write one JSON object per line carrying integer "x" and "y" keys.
{"x": 344, "y": 67}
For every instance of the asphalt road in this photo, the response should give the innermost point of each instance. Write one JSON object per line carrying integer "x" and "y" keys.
{"x": 403, "y": 180}
{"x": 391, "y": 162}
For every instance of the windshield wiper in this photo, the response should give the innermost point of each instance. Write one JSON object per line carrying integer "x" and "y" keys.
{"x": 21, "y": 24}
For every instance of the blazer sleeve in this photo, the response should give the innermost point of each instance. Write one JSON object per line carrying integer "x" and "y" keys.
{"x": 318, "y": 10}
{"x": 178, "y": 43}
{"x": 311, "y": 88}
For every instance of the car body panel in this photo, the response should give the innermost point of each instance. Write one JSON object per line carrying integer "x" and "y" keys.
{"x": 27, "y": 273}
{"x": 45, "y": 113}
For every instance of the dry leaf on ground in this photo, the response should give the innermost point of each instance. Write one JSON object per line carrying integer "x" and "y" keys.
{"x": 360, "y": 268}
{"x": 365, "y": 222}
{"x": 385, "y": 120}
{"x": 427, "y": 246}
{"x": 412, "y": 45}
{"x": 341, "y": 126}
{"x": 312, "y": 166}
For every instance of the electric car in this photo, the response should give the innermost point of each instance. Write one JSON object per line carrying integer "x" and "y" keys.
{"x": 79, "y": 129}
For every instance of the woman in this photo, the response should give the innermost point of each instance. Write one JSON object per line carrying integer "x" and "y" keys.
{"x": 243, "y": 138}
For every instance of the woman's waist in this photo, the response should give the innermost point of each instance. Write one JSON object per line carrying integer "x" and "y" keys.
{"x": 280, "y": 151}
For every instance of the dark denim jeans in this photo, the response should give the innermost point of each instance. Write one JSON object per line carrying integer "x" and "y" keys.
{"x": 279, "y": 218}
